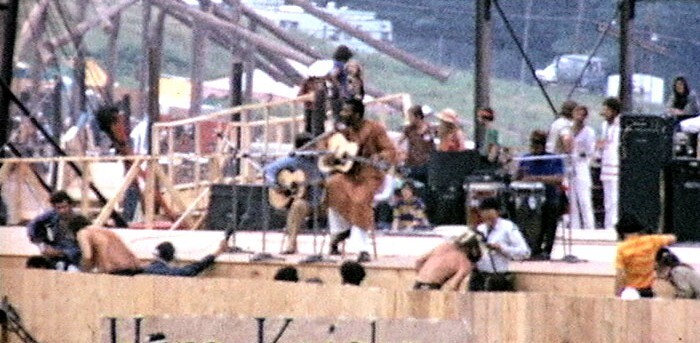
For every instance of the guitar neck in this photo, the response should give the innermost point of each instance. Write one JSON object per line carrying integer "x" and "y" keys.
{"x": 384, "y": 166}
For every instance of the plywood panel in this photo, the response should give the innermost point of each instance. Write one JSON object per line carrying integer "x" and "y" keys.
{"x": 69, "y": 307}
{"x": 292, "y": 330}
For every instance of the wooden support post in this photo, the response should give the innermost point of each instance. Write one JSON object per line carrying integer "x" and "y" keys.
{"x": 199, "y": 53}
{"x": 108, "y": 208}
{"x": 112, "y": 57}
{"x": 142, "y": 71}
{"x": 197, "y": 154}
{"x": 627, "y": 12}
{"x": 249, "y": 69}
{"x": 482, "y": 70}
{"x": 171, "y": 151}
{"x": 211, "y": 21}
{"x": 82, "y": 28}
{"x": 428, "y": 68}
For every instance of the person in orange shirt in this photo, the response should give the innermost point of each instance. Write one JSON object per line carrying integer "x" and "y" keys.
{"x": 635, "y": 256}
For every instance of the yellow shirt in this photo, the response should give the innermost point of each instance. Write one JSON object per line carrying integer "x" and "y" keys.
{"x": 636, "y": 255}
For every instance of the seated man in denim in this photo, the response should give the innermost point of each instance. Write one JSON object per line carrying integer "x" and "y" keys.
{"x": 165, "y": 255}
{"x": 49, "y": 231}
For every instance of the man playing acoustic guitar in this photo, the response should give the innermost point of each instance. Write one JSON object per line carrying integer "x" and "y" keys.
{"x": 297, "y": 189}
{"x": 350, "y": 191}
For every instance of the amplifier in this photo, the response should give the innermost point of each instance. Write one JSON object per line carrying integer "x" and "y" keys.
{"x": 646, "y": 144}
{"x": 251, "y": 210}
{"x": 682, "y": 199}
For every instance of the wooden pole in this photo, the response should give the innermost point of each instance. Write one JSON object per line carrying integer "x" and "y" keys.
{"x": 7, "y": 41}
{"x": 199, "y": 51}
{"x": 154, "y": 59}
{"x": 289, "y": 71}
{"x": 428, "y": 68}
{"x": 482, "y": 68}
{"x": 112, "y": 57}
{"x": 211, "y": 21}
{"x": 83, "y": 27}
{"x": 276, "y": 31}
{"x": 33, "y": 27}
{"x": 249, "y": 68}
{"x": 627, "y": 10}
{"x": 143, "y": 68}
{"x": 226, "y": 41}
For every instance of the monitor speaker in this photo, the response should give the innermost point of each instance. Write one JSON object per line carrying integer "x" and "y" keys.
{"x": 252, "y": 205}
{"x": 445, "y": 205}
{"x": 682, "y": 199}
{"x": 645, "y": 149}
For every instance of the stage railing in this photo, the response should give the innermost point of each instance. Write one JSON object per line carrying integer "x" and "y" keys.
{"x": 188, "y": 155}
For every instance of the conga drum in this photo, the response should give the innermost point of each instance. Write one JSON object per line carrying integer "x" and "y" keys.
{"x": 475, "y": 192}
{"x": 527, "y": 200}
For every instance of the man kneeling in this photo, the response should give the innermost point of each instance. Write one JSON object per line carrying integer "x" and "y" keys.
{"x": 448, "y": 264}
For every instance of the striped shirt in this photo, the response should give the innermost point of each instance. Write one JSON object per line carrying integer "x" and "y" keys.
{"x": 636, "y": 254}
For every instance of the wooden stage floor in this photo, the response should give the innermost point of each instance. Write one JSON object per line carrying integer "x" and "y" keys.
{"x": 595, "y": 248}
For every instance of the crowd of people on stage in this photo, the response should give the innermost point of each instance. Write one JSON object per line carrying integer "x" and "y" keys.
{"x": 345, "y": 160}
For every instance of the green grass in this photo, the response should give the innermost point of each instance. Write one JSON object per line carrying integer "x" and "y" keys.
{"x": 520, "y": 108}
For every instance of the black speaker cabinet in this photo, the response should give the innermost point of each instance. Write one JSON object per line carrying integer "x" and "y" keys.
{"x": 645, "y": 149}
{"x": 446, "y": 205}
{"x": 682, "y": 199}
{"x": 449, "y": 169}
{"x": 252, "y": 208}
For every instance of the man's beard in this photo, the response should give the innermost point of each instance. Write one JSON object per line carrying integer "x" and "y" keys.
{"x": 349, "y": 121}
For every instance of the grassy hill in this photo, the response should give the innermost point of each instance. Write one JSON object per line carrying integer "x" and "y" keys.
{"x": 520, "y": 107}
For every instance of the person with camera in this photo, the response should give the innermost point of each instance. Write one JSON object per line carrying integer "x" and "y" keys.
{"x": 503, "y": 242}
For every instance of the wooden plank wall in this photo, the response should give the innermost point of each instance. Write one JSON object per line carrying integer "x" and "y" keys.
{"x": 248, "y": 329}
{"x": 401, "y": 278}
{"x": 68, "y": 307}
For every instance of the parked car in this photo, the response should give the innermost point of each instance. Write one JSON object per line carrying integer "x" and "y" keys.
{"x": 567, "y": 69}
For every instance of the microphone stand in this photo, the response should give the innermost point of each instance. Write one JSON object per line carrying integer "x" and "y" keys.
{"x": 567, "y": 237}
{"x": 303, "y": 151}
{"x": 318, "y": 252}
{"x": 264, "y": 255}
{"x": 232, "y": 228}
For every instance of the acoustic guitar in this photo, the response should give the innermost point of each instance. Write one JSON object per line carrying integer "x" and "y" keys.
{"x": 290, "y": 185}
{"x": 342, "y": 155}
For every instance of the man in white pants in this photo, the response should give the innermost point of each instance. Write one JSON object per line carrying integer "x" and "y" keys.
{"x": 583, "y": 149}
{"x": 609, "y": 144}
